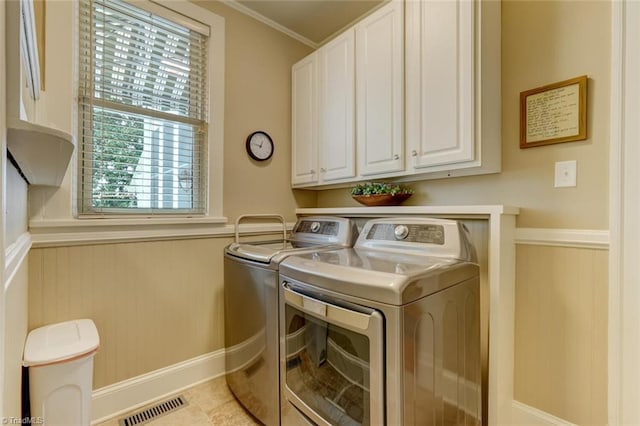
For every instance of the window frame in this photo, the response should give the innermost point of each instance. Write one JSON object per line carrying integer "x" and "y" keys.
{"x": 198, "y": 19}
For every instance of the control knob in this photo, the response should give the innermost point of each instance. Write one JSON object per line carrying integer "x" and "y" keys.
{"x": 401, "y": 232}
{"x": 315, "y": 227}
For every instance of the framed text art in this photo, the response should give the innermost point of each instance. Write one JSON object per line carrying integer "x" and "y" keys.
{"x": 554, "y": 113}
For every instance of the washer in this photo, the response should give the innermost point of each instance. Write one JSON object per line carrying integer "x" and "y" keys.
{"x": 251, "y": 307}
{"x": 387, "y": 332}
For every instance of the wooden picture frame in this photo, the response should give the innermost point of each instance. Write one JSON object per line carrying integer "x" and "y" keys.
{"x": 554, "y": 113}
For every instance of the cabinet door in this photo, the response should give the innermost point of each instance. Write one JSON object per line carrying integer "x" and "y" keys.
{"x": 337, "y": 108}
{"x": 304, "y": 142}
{"x": 440, "y": 82}
{"x": 379, "y": 90}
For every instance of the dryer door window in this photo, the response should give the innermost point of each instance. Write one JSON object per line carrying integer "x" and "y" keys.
{"x": 333, "y": 368}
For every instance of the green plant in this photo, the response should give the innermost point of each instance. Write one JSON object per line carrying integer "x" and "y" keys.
{"x": 373, "y": 188}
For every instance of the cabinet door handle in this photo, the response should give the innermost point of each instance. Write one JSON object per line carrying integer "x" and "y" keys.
{"x": 414, "y": 153}
{"x": 396, "y": 157}
{"x": 313, "y": 172}
{"x": 323, "y": 170}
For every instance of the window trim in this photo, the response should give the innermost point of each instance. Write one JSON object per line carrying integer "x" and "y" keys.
{"x": 198, "y": 19}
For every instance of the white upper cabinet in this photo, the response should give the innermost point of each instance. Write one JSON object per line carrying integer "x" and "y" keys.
{"x": 379, "y": 91}
{"x": 304, "y": 129}
{"x": 440, "y": 82}
{"x": 419, "y": 92}
{"x": 452, "y": 87}
{"x": 336, "y": 84}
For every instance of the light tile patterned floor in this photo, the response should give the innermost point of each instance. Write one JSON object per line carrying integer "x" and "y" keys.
{"x": 210, "y": 403}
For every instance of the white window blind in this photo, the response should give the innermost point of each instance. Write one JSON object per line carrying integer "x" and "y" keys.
{"x": 142, "y": 112}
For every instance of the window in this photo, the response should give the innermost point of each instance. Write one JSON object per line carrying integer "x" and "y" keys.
{"x": 142, "y": 110}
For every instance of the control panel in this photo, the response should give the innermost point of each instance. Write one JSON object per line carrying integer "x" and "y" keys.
{"x": 413, "y": 233}
{"x": 422, "y": 236}
{"x": 319, "y": 227}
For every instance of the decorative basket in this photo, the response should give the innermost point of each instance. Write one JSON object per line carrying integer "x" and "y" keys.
{"x": 381, "y": 199}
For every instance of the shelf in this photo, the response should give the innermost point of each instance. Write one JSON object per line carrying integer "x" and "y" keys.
{"x": 42, "y": 153}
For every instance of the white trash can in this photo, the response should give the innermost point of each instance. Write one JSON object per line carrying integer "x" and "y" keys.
{"x": 60, "y": 361}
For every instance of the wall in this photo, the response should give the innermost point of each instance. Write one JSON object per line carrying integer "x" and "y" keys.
{"x": 157, "y": 303}
{"x": 561, "y": 332}
{"x": 14, "y": 289}
{"x": 149, "y": 314}
{"x": 544, "y": 42}
{"x": 3, "y": 167}
{"x": 15, "y": 316}
{"x": 258, "y": 97}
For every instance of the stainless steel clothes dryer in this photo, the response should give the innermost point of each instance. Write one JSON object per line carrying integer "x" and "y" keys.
{"x": 251, "y": 308}
{"x": 387, "y": 332}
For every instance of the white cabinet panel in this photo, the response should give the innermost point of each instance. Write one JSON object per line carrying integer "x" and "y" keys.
{"x": 453, "y": 88}
{"x": 440, "y": 82}
{"x": 379, "y": 91}
{"x": 452, "y": 94}
{"x": 337, "y": 108}
{"x": 304, "y": 132}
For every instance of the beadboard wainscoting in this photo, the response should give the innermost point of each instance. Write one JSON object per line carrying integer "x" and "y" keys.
{"x": 154, "y": 303}
{"x": 560, "y": 353}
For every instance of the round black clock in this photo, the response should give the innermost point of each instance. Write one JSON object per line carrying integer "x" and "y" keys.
{"x": 259, "y": 146}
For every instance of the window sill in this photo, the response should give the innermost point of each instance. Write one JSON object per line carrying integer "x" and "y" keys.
{"x": 56, "y": 233}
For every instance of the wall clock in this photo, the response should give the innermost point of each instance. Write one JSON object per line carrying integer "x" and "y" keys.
{"x": 259, "y": 146}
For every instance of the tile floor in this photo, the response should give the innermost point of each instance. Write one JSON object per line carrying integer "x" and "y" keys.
{"x": 210, "y": 403}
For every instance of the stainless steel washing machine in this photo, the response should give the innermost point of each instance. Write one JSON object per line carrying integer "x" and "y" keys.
{"x": 387, "y": 332}
{"x": 251, "y": 307}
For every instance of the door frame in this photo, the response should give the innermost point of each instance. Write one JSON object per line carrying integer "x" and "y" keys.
{"x": 624, "y": 211}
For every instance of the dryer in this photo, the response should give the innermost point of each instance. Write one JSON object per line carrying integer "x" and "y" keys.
{"x": 386, "y": 332}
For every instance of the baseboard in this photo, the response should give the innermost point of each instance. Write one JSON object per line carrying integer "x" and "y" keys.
{"x": 524, "y": 415}
{"x": 119, "y": 398}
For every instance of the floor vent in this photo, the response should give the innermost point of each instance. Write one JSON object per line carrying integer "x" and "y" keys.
{"x": 152, "y": 413}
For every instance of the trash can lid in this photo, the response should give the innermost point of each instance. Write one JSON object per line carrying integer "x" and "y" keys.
{"x": 60, "y": 342}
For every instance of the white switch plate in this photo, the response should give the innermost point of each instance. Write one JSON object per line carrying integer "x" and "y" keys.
{"x": 565, "y": 173}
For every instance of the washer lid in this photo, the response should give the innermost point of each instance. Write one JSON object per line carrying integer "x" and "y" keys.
{"x": 385, "y": 277}
{"x": 60, "y": 342}
{"x": 309, "y": 232}
{"x": 261, "y": 252}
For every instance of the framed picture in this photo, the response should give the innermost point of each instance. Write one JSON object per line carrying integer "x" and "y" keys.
{"x": 554, "y": 113}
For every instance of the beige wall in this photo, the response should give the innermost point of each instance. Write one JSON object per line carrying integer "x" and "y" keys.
{"x": 561, "y": 332}
{"x": 542, "y": 42}
{"x": 149, "y": 313}
{"x": 258, "y": 97}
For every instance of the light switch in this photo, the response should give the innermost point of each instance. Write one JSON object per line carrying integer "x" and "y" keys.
{"x": 565, "y": 173}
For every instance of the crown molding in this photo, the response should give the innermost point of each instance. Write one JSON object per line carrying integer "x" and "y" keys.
{"x": 234, "y": 4}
